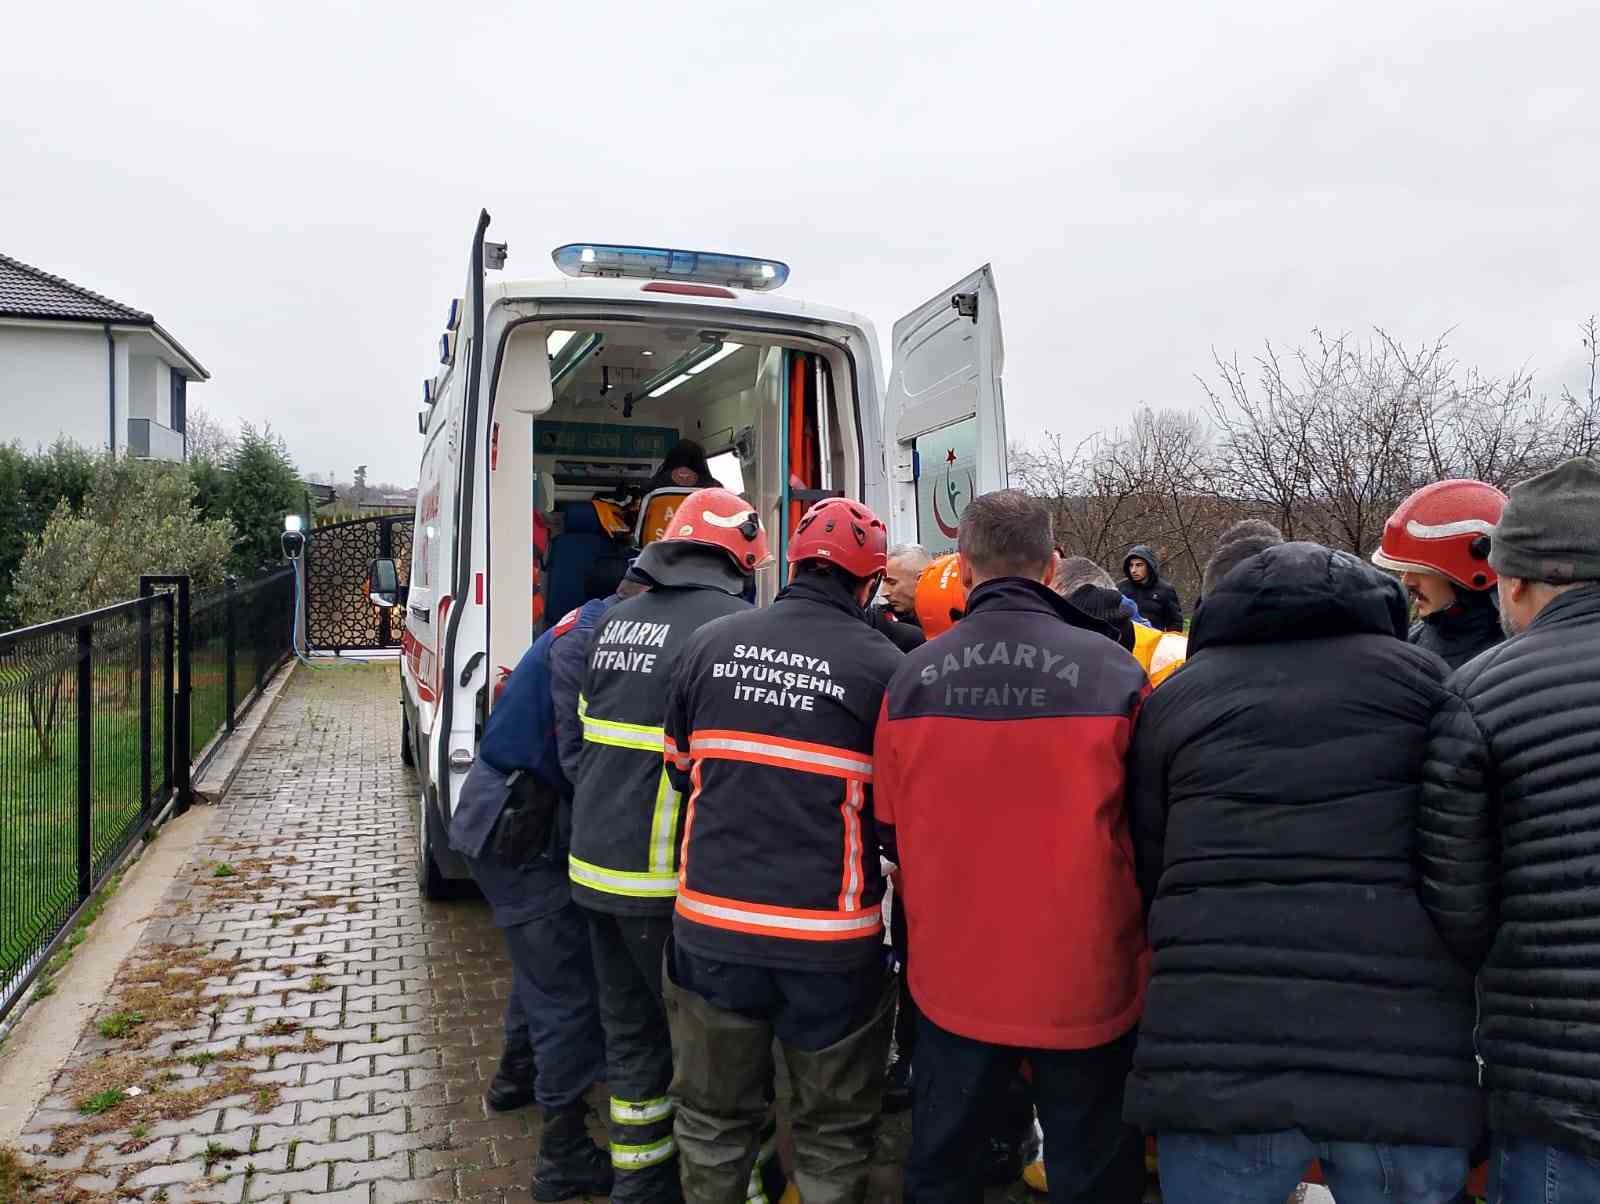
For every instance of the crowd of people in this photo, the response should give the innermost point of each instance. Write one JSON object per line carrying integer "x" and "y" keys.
{"x": 1311, "y": 876}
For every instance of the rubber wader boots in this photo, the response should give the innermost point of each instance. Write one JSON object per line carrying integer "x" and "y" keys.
{"x": 838, "y": 1097}
{"x": 512, "y": 1087}
{"x": 570, "y": 1164}
{"x": 721, "y": 1068}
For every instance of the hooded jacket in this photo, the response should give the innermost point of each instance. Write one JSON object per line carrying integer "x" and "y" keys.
{"x": 626, "y": 815}
{"x": 1275, "y": 784}
{"x": 999, "y": 765}
{"x": 1510, "y": 844}
{"x": 1459, "y": 632}
{"x": 1157, "y": 601}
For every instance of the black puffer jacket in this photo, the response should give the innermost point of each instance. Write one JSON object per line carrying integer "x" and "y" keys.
{"x": 1511, "y": 863}
{"x": 1274, "y": 787}
{"x": 1458, "y": 633}
{"x": 1158, "y": 602}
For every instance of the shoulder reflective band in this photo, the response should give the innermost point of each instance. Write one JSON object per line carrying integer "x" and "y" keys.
{"x": 617, "y": 734}
{"x": 637, "y": 1157}
{"x": 781, "y": 753}
{"x": 640, "y": 1112}
{"x": 760, "y": 919}
{"x": 622, "y": 882}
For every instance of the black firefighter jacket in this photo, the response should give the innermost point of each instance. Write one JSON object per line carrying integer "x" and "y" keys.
{"x": 770, "y": 732}
{"x": 1511, "y": 862}
{"x": 1275, "y": 785}
{"x": 626, "y": 814}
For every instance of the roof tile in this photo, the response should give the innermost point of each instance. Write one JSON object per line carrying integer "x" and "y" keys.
{"x": 27, "y": 292}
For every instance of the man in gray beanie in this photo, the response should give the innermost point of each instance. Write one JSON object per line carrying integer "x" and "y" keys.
{"x": 1509, "y": 838}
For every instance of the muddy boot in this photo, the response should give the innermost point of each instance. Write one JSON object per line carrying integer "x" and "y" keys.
{"x": 721, "y": 1063}
{"x": 838, "y": 1097}
{"x": 512, "y": 1087}
{"x": 570, "y": 1164}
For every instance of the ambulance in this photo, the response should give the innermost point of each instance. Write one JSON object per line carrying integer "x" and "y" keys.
{"x": 558, "y": 399}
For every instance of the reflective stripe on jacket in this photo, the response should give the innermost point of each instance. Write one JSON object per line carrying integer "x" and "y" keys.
{"x": 769, "y": 730}
{"x": 626, "y": 814}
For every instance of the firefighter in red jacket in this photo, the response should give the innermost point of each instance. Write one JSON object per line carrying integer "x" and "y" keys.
{"x": 779, "y": 928}
{"x": 999, "y": 765}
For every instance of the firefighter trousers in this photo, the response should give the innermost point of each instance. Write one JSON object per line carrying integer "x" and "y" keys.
{"x": 627, "y": 952}
{"x": 833, "y": 1032}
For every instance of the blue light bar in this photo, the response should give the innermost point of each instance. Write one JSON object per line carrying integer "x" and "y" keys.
{"x": 660, "y": 263}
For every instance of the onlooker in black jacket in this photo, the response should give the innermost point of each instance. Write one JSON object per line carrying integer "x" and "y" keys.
{"x": 1159, "y": 604}
{"x": 1302, "y": 1005}
{"x": 1510, "y": 845}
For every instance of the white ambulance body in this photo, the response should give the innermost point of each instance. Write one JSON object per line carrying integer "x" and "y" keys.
{"x": 559, "y": 390}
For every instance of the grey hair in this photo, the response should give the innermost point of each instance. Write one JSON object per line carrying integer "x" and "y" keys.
{"x": 919, "y": 555}
{"x": 1006, "y": 534}
{"x": 1075, "y": 572}
{"x": 1231, "y": 555}
{"x": 1250, "y": 528}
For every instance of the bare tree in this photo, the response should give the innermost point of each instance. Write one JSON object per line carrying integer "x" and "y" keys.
{"x": 1580, "y": 418}
{"x": 207, "y": 437}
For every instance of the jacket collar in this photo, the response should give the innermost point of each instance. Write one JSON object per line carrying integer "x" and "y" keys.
{"x": 1020, "y": 594}
{"x": 678, "y": 564}
{"x": 1575, "y": 604}
{"x": 824, "y": 589}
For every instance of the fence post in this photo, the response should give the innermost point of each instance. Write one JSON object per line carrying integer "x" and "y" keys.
{"x": 182, "y": 750}
{"x": 85, "y": 760}
{"x": 230, "y": 639}
{"x": 146, "y": 793}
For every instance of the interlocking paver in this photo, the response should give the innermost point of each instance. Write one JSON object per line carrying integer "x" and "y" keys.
{"x": 372, "y": 1016}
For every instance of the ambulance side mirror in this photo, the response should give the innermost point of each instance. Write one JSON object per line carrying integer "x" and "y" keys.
{"x": 383, "y": 583}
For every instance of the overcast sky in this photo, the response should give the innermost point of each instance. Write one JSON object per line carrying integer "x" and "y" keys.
{"x": 291, "y": 188}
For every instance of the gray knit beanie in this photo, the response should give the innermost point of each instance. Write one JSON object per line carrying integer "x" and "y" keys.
{"x": 1550, "y": 530}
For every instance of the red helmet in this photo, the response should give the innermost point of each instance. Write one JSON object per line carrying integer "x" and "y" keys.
{"x": 720, "y": 518}
{"x": 1444, "y": 528}
{"x": 844, "y": 533}
{"x": 941, "y": 598}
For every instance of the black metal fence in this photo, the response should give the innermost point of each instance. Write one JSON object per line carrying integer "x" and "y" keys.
{"x": 101, "y": 717}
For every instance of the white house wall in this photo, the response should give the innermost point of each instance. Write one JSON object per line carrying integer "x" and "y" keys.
{"x": 54, "y": 383}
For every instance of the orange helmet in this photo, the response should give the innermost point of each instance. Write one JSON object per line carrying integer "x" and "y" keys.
{"x": 720, "y": 518}
{"x": 941, "y": 598}
{"x": 1444, "y": 528}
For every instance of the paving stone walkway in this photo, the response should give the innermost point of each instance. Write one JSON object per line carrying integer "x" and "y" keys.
{"x": 298, "y": 1023}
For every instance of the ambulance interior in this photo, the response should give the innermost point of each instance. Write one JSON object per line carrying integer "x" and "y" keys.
{"x": 775, "y": 417}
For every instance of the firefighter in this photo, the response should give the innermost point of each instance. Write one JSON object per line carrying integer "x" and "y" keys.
{"x": 511, "y": 822}
{"x": 1438, "y": 541}
{"x": 779, "y": 925}
{"x": 627, "y": 814}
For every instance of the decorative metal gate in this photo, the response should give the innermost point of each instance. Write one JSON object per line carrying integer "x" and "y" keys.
{"x": 339, "y": 615}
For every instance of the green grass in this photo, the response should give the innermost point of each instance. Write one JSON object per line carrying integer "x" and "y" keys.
{"x": 38, "y": 819}
{"x": 223, "y": 870}
{"x": 120, "y": 1024}
{"x": 101, "y": 1101}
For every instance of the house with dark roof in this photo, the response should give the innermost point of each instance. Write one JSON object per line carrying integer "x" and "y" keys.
{"x": 79, "y": 365}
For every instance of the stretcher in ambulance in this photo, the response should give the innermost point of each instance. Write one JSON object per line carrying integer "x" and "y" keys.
{"x": 557, "y": 401}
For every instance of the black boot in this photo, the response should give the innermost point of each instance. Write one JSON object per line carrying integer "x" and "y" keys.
{"x": 570, "y": 1164}
{"x": 512, "y": 1087}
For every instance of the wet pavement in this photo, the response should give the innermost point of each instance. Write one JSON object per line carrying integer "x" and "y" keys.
{"x": 352, "y": 1026}
{"x": 297, "y": 1024}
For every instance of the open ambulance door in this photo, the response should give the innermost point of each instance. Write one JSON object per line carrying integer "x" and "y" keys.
{"x": 944, "y": 414}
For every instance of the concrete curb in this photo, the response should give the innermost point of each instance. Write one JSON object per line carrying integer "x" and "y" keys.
{"x": 42, "y": 1033}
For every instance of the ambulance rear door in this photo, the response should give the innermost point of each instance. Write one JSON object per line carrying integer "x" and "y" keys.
{"x": 944, "y": 413}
